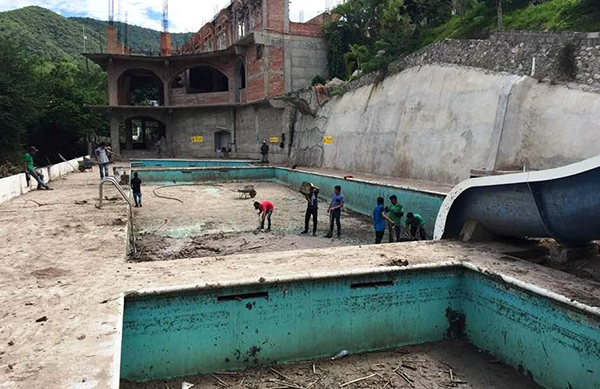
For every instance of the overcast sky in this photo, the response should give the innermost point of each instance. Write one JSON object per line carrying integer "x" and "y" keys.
{"x": 184, "y": 15}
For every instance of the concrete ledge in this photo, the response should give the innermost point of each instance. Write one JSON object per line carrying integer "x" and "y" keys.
{"x": 14, "y": 186}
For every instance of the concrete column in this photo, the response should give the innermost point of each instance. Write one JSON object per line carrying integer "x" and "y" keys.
{"x": 128, "y": 135}
{"x": 114, "y": 136}
{"x": 167, "y": 93}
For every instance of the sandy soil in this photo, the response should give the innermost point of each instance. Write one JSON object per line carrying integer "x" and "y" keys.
{"x": 64, "y": 270}
{"x": 214, "y": 220}
{"x": 423, "y": 366}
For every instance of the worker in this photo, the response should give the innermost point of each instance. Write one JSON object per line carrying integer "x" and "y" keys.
{"x": 264, "y": 151}
{"x": 136, "y": 187}
{"x": 335, "y": 211}
{"x": 415, "y": 226}
{"x": 395, "y": 211}
{"x": 101, "y": 156}
{"x": 379, "y": 218}
{"x": 265, "y": 210}
{"x": 31, "y": 171}
{"x": 312, "y": 209}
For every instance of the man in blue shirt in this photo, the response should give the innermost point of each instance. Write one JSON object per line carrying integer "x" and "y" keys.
{"x": 312, "y": 210}
{"x": 380, "y": 217}
{"x": 335, "y": 211}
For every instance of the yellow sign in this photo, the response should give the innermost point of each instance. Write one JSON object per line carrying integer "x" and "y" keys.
{"x": 327, "y": 140}
{"x": 197, "y": 139}
{"x": 274, "y": 139}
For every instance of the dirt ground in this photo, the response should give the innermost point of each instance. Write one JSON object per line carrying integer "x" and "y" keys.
{"x": 441, "y": 365}
{"x": 212, "y": 220}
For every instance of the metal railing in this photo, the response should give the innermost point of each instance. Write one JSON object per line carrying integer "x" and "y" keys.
{"x": 113, "y": 181}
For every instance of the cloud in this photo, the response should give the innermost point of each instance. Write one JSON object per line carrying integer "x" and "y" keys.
{"x": 184, "y": 15}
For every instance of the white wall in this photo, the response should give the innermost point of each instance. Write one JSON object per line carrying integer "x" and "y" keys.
{"x": 16, "y": 185}
{"x": 437, "y": 122}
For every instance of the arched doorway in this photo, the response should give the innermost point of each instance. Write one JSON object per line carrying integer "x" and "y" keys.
{"x": 240, "y": 79}
{"x": 140, "y": 87}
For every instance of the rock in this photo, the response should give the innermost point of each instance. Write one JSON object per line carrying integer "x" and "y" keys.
{"x": 334, "y": 83}
{"x": 41, "y": 319}
{"x": 596, "y": 76}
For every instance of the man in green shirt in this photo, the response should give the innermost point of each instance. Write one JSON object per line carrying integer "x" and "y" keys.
{"x": 395, "y": 212}
{"x": 31, "y": 171}
{"x": 415, "y": 226}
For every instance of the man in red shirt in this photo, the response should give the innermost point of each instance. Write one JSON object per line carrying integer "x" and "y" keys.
{"x": 265, "y": 209}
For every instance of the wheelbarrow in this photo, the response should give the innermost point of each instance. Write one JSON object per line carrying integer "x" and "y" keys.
{"x": 247, "y": 192}
{"x": 85, "y": 164}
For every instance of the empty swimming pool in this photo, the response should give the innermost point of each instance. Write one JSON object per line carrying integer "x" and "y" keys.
{"x": 229, "y": 327}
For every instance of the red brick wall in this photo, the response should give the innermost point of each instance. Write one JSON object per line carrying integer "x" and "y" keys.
{"x": 255, "y": 88}
{"x": 276, "y": 85}
{"x": 275, "y": 58}
{"x": 200, "y": 98}
{"x": 275, "y": 15}
{"x": 305, "y": 29}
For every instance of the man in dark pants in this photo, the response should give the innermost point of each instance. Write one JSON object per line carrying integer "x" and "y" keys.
{"x": 395, "y": 211}
{"x": 335, "y": 211}
{"x": 312, "y": 209}
{"x": 265, "y": 210}
{"x": 136, "y": 186}
{"x": 415, "y": 226}
{"x": 379, "y": 218}
{"x": 264, "y": 151}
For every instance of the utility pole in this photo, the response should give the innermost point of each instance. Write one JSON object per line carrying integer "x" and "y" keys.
{"x": 87, "y": 65}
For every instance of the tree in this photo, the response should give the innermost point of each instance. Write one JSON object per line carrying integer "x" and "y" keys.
{"x": 499, "y": 12}
{"x": 19, "y": 104}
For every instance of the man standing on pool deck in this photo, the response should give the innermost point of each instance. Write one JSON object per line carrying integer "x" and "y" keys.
{"x": 395, "y": 211}
{"x": 335, "y": 211}
{"x": 380, "y": 217}
{"x": 312, "y": 210}
{"x": 264, "y": 151}
{"x": 102, "y": 159}
{"x": 417, "y": 226}
{"x": 265, "y": 209}
{"x": 136, "y": 187}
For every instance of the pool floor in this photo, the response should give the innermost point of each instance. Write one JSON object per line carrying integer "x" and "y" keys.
{"x": 427, "y": 365}
{"x": 213, "y": 220}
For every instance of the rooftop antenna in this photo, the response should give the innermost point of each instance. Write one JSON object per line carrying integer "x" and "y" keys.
{"x": 126, "y": 31}
{"x": 165, "y": 20}
{"x": 301, "y": 16}
{"x": 111, "y": 12}
{"x": 119, "y": 25}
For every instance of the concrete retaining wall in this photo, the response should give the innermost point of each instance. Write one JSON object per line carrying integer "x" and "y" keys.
{"x": 437, "y": 122}
{"x": 13, "y": 186}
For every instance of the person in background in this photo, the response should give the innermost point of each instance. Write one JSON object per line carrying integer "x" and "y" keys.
{"x": 335, "y": 211}
{"x": 30, "y": 169}
{"x": 395, "y": 212}
{"x": 264, "y": 151}
{"x": 101, "y": 156}
{"x": 136, "y": 187}
{"x": 312, "y": 209}
{"x": 415, "y": 226}
{"x": 379, "y": 218}
{"x": 265, "y": 210}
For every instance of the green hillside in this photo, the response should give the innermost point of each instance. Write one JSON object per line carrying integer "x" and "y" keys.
{"x": 140, "y": 38}
{"x": 48, "y": 35}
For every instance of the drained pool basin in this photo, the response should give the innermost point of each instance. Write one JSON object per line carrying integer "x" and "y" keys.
{"x": 213, "y": 328}
{"x": 189, "y": 163}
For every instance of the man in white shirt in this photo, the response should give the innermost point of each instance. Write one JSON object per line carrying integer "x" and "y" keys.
{"x": 101, "y": 156}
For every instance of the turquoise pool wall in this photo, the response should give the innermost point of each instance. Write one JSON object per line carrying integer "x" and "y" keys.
{"x": 555, "y": 345}
{"x": 181, "y": 334}
{"x": 177, "y": 335}
{"x": 170, "y": 163}
{"x": 360, "y": 196}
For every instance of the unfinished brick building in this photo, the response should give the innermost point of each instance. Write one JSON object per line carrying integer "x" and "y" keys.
{"x": 222, "y": 89}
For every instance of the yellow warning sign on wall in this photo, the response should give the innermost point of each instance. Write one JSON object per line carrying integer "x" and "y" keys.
{"x": 274, "y": 139}
{"x": 327, "y": 140}
{"x": 197, "y": 139}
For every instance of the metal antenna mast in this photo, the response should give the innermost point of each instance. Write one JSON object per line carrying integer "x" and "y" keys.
{"x": 126, "y": 31}
{"x": 111, "y": 12}
{"x": 165, "y": 21}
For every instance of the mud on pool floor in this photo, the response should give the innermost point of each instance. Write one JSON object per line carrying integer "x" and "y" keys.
{"x": 214, "y": 221}
{"x": 441, "y": 365}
